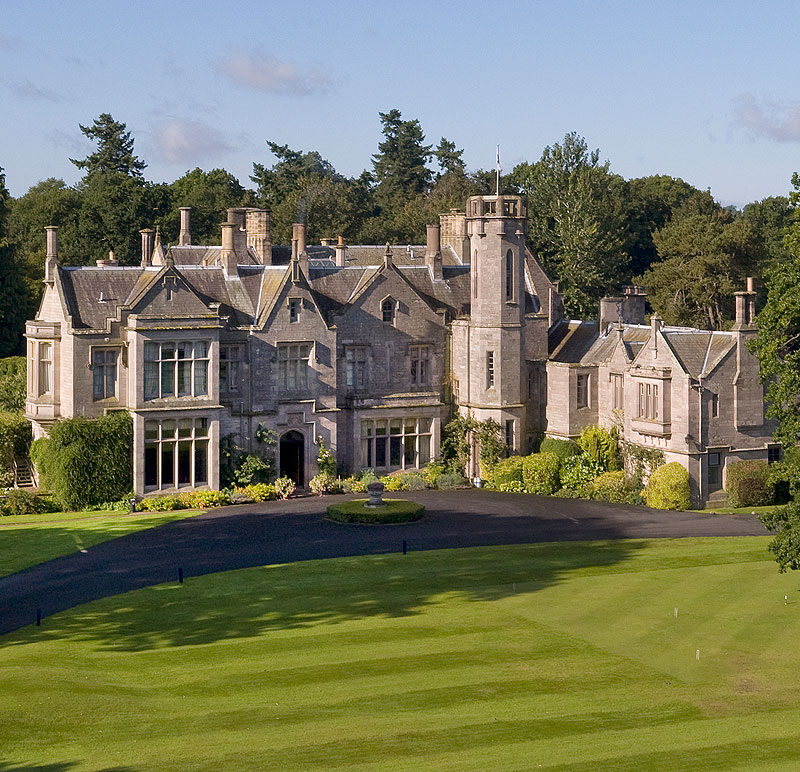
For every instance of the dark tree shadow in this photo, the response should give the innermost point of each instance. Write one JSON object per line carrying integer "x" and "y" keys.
{"x": 242, "y": 604}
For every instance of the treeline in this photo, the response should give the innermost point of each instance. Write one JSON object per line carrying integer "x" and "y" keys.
{"x": 592, "y": 230}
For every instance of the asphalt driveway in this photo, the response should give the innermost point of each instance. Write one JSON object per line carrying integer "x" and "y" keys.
{"x": 287, "y": 531}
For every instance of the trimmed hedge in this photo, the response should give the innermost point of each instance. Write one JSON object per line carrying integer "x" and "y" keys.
{"x": 562, "y": 448}
{"x": 540, "y": 473}
{"x": 668, "y": 487}
{"x": 747, "y": 484}
{"x": 505, "y": 473}
{"x": 86, "y": 461}
{"x": 393, "y": 511}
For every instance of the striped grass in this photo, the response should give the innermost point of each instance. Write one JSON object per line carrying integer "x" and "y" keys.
{"x": 551, "y": 656}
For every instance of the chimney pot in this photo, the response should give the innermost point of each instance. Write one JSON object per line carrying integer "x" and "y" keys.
{"x": 750, "y": 284}
{"x": 341, "y": 253}
{"x": 387, "y": 255}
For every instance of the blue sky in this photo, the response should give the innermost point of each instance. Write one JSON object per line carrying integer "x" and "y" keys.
{"x": 704, "y": 91}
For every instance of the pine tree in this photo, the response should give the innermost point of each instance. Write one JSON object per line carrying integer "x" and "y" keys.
{"x": 114, "y": 149}
{"x": 13, "y": 296}
{"x": 400, "y": 165}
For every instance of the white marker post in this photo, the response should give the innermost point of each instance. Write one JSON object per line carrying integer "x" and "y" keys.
{"x": 697, "y": 655}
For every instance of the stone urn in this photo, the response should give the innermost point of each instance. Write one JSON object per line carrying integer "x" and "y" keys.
{"x": 375, "y": 490}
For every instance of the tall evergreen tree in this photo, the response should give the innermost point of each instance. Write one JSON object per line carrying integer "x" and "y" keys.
{"x": 114, "y": 149}
{"x": 576, "y": 221}
{"x": 400, "y": 165}
{"x": 13, "y": 296}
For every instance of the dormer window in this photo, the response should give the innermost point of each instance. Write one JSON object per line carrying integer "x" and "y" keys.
{"x": 294, "y": 310}
{"x": 388, "y": 307}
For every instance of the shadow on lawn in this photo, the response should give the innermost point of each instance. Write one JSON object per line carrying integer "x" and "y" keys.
{"x": 240, "y": 604}
{"x": 60, "y": 766}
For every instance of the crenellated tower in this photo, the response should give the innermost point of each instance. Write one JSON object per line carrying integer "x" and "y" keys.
{"x": 496, "y": 327}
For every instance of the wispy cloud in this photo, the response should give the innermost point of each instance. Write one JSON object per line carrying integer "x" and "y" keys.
{"x": 188, "y": 141}
{"x": 73, "y": 143}
{"x": 767, "y": 118}
{"x": 261, "y": 71}
{"x": 27, "y": 89}
{"x": 7, "y": 43}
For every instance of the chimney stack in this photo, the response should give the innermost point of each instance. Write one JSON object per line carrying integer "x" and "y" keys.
{"x": 746, "y": 307}
{"x": 610, "y": 312}
{"x": 185, "y": 236}
{"x": 109, "y": 262}
{"x": 237, "y": 215}
{"x": 51, "y": 262}
{"x": 387, "y": 256}
{"x": 433, "y": 251}
{"x": 148, "y": 237}
{"x": 228, "y": 256}
{"x": 299, "y": 245}
{"x": 258, "y": 235}
{"x": 341, "y": 253}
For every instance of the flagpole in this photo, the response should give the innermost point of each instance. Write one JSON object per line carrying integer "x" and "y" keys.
{"x": 497, "y": 190}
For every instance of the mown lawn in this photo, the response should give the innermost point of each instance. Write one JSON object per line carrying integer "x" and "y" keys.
{"x": 553, "y": 656}
{"x": 29, "y": 539}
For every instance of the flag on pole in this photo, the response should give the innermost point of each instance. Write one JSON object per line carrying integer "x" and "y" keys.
{"x": 498, "y": 159}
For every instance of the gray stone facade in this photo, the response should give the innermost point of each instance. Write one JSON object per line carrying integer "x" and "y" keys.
{"x": 369, "y": 348}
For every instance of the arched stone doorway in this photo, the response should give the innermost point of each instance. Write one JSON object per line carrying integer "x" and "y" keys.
{"x": 293, "y": 457}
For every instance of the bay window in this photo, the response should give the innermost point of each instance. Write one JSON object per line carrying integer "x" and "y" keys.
{"x": 176, "y": 453}
{"x": 395, "y": 443}
{"x": 175, "y": 369}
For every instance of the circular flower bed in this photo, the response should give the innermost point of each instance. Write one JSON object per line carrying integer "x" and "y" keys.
{"x": 392, "y": 511}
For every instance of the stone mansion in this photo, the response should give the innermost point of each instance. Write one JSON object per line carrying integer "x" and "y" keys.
{"x": 372, "y": 349}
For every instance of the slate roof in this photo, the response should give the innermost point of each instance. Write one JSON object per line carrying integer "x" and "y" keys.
{"x": 699, "y": 351}
{"x": 569, "y": 341}
{"x": 247, "y": 296}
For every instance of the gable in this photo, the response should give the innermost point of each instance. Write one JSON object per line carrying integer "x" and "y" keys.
{"x": 411, "y": 309}
{"x": 170, "y": 295}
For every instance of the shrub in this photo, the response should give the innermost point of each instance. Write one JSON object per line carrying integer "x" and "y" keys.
{"x": 747, "y": 484}
{"x": 668, "y": 487}
{"x": 540, "y": 473}
{"x": 326, "y": 461}
{"x": 612, "y": 486}
{"x": 601, "y": 445}
{"x": 362, "y": 480}
{"x": 393, "y": 482}
{"x": 450, "y": 481}
{"x": 284, "y": 487}
{"x": 162, "y": 504}
{"x": 562, "y": 448}
{"x": 259, "y": 492}
{"x": 121, "y": 505}
{"x": 433, "y": 472}
{"x": 578, "y": 472}
{"x": 86, "y": 461}
{"x": 414, "y": 481}
{"x": 204, "y": 499}
{"x": 19, "y": 502}
{"x": 15, "y": 440}
{"x": 505, "y": 472}
{"x": 252, "y": 470}
{"x": 511, "y": 487}
{"x": 393, "y": 511}
{"x": 325, "y": 482}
